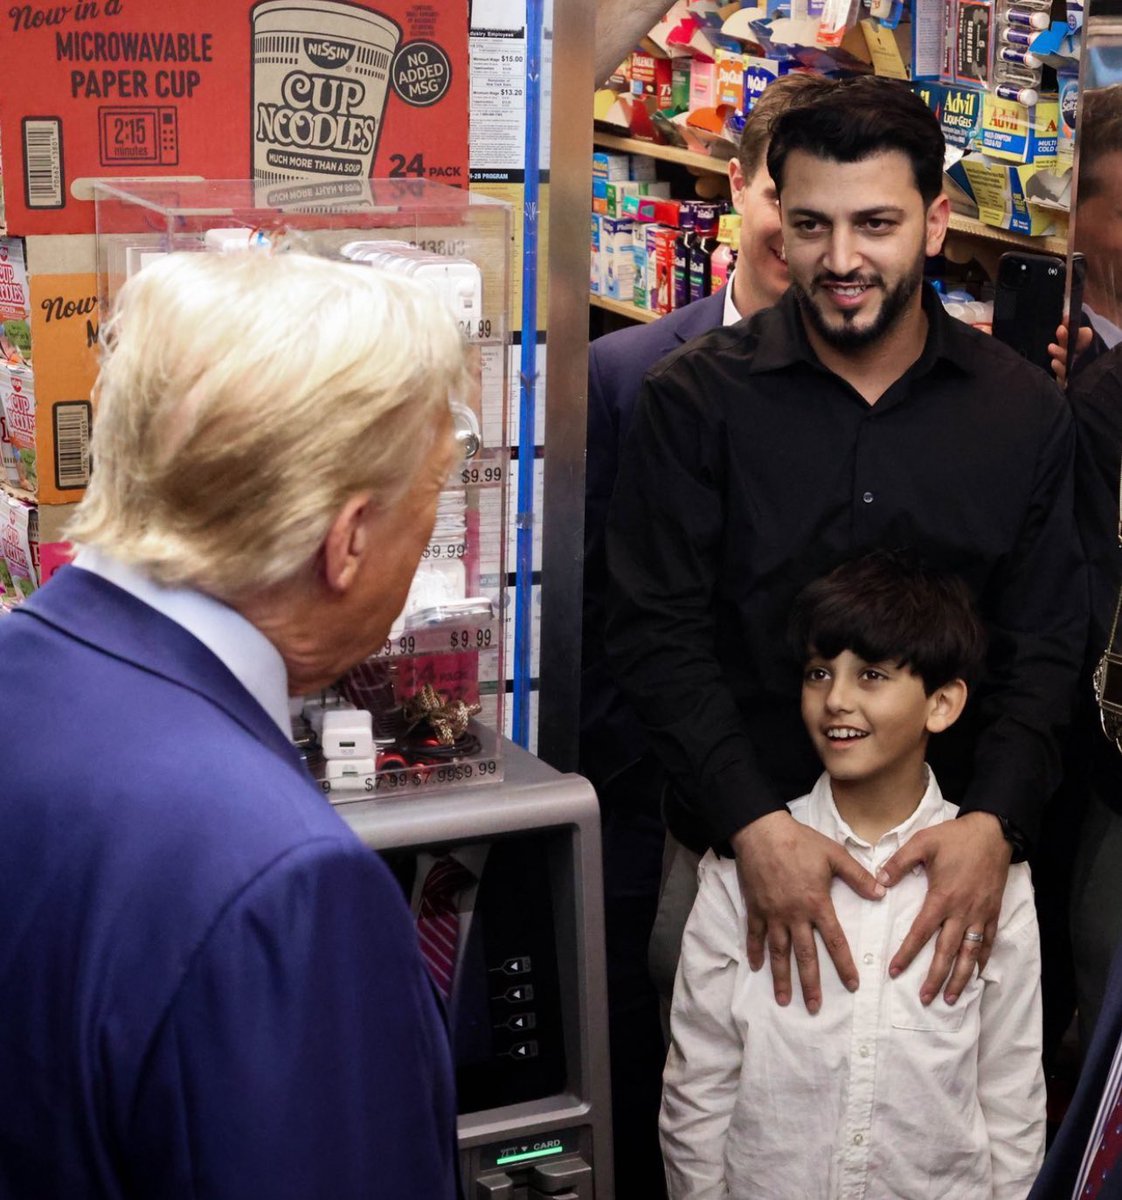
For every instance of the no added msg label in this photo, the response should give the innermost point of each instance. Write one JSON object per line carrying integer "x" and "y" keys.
{"x": 421, "y": 73}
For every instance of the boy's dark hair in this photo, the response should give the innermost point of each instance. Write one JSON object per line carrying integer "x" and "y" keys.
{"x": 856, "y": 118}
{"x": 887, "y": 607}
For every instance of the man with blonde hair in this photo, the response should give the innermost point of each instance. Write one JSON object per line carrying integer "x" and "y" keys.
{"x": 209, "y": 987}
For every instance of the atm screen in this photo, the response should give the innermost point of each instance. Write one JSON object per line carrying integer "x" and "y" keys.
{"x": 504, "y": 1007}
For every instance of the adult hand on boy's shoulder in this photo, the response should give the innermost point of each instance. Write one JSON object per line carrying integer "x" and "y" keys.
{"x": 785, "y": 871}
{"x": 967, "y": 863}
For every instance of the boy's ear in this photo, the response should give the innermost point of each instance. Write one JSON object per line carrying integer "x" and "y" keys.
{"x": 945, "y": 705}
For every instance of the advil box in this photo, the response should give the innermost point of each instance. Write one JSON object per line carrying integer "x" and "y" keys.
{"x": 307, "y": 90}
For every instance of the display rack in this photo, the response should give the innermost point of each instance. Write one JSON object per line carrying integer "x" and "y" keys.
{"x": 435, "y": 689}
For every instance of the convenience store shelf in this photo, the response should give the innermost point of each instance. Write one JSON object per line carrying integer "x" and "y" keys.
{"x": 685, "y": 158}
{"x": 623, "y": 309}
{"x": 964, "y": 226}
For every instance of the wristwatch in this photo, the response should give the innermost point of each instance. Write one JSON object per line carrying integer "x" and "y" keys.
{"x": 1015, "y": 838}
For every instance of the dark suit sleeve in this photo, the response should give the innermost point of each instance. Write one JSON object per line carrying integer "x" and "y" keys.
{"x": 665, "y": 530}
{"x": 1037, "y": 623}
{"x": 303, "y": 1055}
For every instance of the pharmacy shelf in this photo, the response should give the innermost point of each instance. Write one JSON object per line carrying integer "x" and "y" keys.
{"x": 623, "y": 309}
{"x": 972, "y": 227}
{"x": 965, "y": 226}
{"x": 685, "y": 158}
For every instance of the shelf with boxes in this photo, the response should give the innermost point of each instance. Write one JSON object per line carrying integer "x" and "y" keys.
{"x": 425, "y": 711}
{"x": 999, "y": 74}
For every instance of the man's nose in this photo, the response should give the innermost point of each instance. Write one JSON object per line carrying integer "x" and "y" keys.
{"x": 842, "y": 252}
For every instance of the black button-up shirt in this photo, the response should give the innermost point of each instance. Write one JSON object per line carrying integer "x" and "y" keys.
{"x": 752, "y": 469}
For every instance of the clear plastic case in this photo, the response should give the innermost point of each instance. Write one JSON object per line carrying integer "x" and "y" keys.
{"x": 426, "y": 711}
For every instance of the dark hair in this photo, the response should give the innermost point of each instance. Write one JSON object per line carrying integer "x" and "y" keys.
{"x": 887, "y": 607}
{"x": 852, "y": 120}
{"x": 1100, "y": 132}
{"x": 787, "y": 92}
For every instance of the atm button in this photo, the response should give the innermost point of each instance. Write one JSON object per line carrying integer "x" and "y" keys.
{"x": 524, "y": 1050}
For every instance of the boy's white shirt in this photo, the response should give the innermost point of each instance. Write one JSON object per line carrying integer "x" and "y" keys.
{"x": 875, "y": 1096}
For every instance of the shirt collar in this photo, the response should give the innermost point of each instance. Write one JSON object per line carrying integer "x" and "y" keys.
{"x": 823, "y": 815}
{"x": 1105, "y": 328}
{"x": 783, "y": 342}
{"x": 239, "y": 645}
{"x": 731, "y": 313}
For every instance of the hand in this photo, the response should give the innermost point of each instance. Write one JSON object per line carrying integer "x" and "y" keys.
{"x": 967, "y": 862}
{"x": 785, "y": 872}
{"x": 1058, "y": 350}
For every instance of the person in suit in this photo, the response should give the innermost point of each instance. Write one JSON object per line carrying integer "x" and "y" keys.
{"x": 1085, "y": 1159}
{"x": 209, "y": 986}
{"x": 612, "y": 752}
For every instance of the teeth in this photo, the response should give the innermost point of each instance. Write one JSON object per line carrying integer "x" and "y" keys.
{"x": 850, "y": 291}
{"x": 841, "y": 735}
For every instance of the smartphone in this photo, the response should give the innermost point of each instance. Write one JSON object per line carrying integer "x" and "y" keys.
{"x": 1028, "y": 304}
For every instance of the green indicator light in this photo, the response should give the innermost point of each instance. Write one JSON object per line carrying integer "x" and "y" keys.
{"x": 517, "y": 1158}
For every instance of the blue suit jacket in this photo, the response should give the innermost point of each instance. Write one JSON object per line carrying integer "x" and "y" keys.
{"x": 611, "y": 737}
{"x": 208, "y": 986}
{"x": 1060, "y": 1172}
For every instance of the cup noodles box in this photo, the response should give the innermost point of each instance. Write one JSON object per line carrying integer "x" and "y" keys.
{"x": 19, "y": 541}
{"x": 17, "y": 402}
{"x": 15, "y": 303}
{"x": 316, "y": 91}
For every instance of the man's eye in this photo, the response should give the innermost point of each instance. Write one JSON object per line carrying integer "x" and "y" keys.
{"x": 879, "y": 225}
{"x": 807, "y": 225}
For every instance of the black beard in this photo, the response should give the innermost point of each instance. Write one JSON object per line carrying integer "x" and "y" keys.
{"x": 847, "y": 337}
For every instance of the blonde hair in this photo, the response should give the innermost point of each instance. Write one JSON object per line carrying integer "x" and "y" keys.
{"x": 242, "y": 398}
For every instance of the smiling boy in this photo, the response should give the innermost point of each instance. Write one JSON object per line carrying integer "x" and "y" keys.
{"x": 875, "y": 1095}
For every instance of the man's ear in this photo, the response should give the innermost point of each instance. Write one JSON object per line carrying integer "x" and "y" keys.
{"x": 945, "y": 705}
{"x": 937, "y": 218}
{"x": 737, "y": 183}
{"x": 349, "y": 538}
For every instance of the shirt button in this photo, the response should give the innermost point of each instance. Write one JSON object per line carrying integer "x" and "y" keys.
{"x": 857, "y": 1139}
{"x": 868, "y": 960}
{"x": 868, "y": 497}
{"x": 864, "y": 1051}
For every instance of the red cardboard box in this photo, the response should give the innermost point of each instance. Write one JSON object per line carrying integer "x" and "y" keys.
{"x": 308, "y": 90}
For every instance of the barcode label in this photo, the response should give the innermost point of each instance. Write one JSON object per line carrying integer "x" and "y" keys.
{"x": 72, "y": 444}
{"x": 42, "y": 162}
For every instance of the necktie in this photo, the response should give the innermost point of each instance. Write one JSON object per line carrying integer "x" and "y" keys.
{"x": 1107, "y": 1154}
{"x": 438, "y": 919}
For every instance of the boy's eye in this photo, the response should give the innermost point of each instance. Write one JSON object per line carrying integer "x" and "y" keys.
{"x": 873, "y": 673}
{"x": 815, "y": 674}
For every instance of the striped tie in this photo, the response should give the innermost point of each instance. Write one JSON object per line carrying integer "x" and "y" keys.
{"x": 438, "y": 919}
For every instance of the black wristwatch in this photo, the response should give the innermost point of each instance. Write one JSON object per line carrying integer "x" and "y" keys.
{"x": 1015, "y": 838}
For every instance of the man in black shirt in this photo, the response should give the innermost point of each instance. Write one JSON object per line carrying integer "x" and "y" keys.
{"x": 853, "y": 414}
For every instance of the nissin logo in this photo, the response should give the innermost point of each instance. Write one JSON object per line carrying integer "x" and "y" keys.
{"x": 328, "y": 54}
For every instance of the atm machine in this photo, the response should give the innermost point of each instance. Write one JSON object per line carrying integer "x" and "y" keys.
{"x": 529, "y": 1005}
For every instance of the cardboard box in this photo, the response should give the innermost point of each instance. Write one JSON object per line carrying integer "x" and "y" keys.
{"x": 999, "y": 190}
{"x": 54, "y": 550}
{"x": 652, "y": 76}
{"x": 1012, "y": 132}
{"x": 973, "y": 31}
{"x": 226, "y": 89}
{"x": 64, "y": 330}
{"x": 594, "y": 266}
{"x": 730, "y": 78}
{"x": 617, "y": 281}
{"x": 758, "y": 73}
{"x": 15, "y": 303}
{"x": 703, "y": 83}
{"x": 959, "y": 110}
{"x": 17, "y": 406}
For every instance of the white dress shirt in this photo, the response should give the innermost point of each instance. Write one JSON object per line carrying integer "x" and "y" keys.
{"x": 731, "y": 314}
{"x": 242, "y": 648}
{"x": 875, "y": 1096}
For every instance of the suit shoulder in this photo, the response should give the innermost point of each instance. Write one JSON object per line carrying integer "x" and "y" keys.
{"x": 693, "y": 356}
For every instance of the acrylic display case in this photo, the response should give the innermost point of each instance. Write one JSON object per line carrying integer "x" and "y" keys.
{"x": 434, "y": 691}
